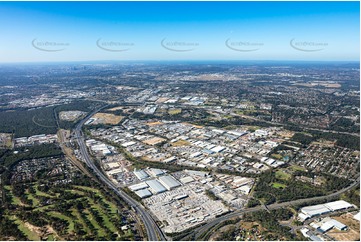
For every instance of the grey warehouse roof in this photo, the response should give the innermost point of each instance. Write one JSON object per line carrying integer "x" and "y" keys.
{"x": 169, "y": 182}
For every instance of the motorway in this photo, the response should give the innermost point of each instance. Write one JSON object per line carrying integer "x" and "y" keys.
{"x": 153, "y": 231}
{"x": 207, "y": 227}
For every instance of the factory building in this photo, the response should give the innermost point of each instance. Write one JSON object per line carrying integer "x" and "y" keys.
{"x": 169, "y": 182}
{"x": 311, "y": 211}
{"x": 141, "y": 175}
{"x": 143, "y": 193}
{"x": 138, "y": 186}
{"x": 155, "y": 186}
{"x": 155, "y": 172}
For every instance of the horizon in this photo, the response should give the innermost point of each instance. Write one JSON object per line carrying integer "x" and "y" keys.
{"x": 179, "y": 31}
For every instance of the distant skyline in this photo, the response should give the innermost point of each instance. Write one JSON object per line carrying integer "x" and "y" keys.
{"x": 177, "y": 31}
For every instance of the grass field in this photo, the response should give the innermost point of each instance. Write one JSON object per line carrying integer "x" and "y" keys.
{"x": 174, "y": 111}
{"x": 277, "y": 156}
{"x": 180, "y": 143}
{"x": 31, "y": 235}
{"x": 278, "y": 185}
{"x": 297, "y": 168}
{"x": 280, "y": 174}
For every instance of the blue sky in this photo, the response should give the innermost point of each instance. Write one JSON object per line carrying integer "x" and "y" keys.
{"x": 31, "y": 31}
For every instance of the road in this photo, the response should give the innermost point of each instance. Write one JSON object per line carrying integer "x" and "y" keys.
{"x": 207, "y": 227}
{"x": 153, "y": 231}
{"x": 282, "y": 124}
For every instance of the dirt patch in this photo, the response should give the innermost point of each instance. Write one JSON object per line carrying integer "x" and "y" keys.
{"x": 106, "y": 118}
{"x": 353, "y": 232}
{"x": 154, "y": 141}
{"x": 154, "y": 123}
{"x": 180, "y": 143}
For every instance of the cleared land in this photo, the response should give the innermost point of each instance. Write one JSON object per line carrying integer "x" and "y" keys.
{"x": 180, "y": 143}
{"x": 106, "y": 118}
{"x": 6, "y": 140}
{"x": 174, "y": 111}
{"x": 352, "y": 234}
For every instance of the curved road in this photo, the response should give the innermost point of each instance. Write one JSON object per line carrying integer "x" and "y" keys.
{"x": 203, "y": 229}
{"x": 153, "y": 231}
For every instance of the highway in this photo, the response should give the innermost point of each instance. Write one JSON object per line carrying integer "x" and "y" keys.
{"x": 154, "y": 233}
{"x": 205, "y": 228}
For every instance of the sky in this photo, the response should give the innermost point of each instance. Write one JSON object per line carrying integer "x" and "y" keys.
{"x": 91, "y": 31}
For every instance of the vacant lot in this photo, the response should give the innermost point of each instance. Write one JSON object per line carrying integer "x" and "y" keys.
{"x": 5, "y": 140}
{"x": 154, "y": 141}
{"x": 174, "y": 111}
{"x": 180, "y": 143}
{"x": 352, "y": 234}
{"x": 106, "y": 118}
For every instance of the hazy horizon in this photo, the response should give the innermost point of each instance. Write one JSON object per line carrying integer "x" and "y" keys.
{"x": 179, "y": 31}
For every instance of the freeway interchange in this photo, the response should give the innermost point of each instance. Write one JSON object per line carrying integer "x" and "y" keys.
{"x": 153, "y": 231}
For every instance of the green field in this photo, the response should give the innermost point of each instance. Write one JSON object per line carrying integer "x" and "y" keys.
{"x": 84, "y": 212}
{"x": 278, "y": 185}
{"x": 280, "y": 174}
{"x": 23, "y": 228}
{"x": 14, "y": 200}
{"x": 297, "y": 168}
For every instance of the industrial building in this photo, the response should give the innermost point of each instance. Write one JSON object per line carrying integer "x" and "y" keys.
{"x": 315, "y": 210}
{"x": 338, "y": 205}
{"x": 311, "y": 211}
{"x": 143, "y": 193}
{"x": 155, "y": 172}
{"x": 141, "y": 175}
{"x": 169, "y": 182}
{"x": 155, "y": 186}
{"x": 327, "y": 224}
{"x": 138, "y": 186}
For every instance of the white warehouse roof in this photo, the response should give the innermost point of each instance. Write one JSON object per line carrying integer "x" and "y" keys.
{"x": 143, "y": 193}
{"x": 138, "y": 186}
{"x": 315, "y": 210}
{"x": 218, "y": 149}
{"x": 156, "y": 187}
{"x": 338, "y": 205}
{"x": 141, "y": 175}
{"x": 155, "y": 172}
{"x": 169, "y": 182}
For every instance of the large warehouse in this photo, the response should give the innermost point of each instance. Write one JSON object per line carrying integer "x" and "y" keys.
{"x": 138, "y": 186}
{"x": 311, "y": 211}
{"x": 141, "y": 175}
{"x": 143, "y": 193}
{"x": 169, "y": 182}
{"x": 155, "y": 186}
{"x": 338, "y": 205}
